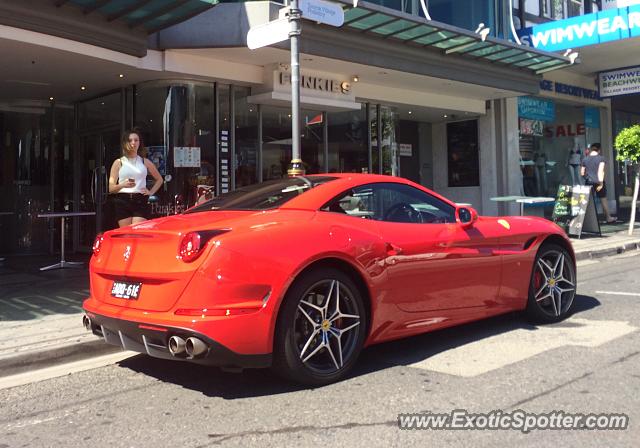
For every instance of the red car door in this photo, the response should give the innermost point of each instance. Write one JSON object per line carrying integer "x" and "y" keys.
{"x": 433, "y": 263}
{"x": 441, "y": 266}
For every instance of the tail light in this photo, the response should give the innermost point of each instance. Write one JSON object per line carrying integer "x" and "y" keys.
{"x": 193, "y": 243}
{"x": 97, "y": 244}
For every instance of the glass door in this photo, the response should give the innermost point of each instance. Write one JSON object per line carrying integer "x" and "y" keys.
{"x": 97, "y": 152}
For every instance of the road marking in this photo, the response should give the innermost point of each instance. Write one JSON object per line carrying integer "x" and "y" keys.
{"x": 619, "y": 293}
{"x": 500, "y": 350}
{"x": 64, "y": 369}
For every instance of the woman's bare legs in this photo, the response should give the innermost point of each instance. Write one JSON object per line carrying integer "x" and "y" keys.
{"x": 125, "y": 222}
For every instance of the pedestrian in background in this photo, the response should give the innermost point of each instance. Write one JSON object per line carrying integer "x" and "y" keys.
{"x": 593, "y": 172}
{"x": 128, "y": 181}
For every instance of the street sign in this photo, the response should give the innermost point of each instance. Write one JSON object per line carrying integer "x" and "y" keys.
{"x": 268, "y": 33}
{"x": 323, "y": 12}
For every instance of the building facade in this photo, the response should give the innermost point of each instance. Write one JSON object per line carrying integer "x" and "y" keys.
{"x": 388, "y": 92}
{"x": 592, "y": 101}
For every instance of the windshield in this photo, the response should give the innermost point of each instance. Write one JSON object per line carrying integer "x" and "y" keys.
{"x": 264, "y": 196}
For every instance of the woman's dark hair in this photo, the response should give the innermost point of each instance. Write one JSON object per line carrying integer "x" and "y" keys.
{"x": 124, "y": 142}
{"x": 595, "y": 147}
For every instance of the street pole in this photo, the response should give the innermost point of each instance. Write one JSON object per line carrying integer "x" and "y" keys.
{"x": 295, "y": 168}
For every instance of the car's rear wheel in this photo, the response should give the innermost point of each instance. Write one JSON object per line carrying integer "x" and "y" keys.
{"x": 553, "y": 285}
{"x": 321, "y": 328}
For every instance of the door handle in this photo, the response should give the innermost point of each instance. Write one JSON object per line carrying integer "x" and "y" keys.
{"x": 393, "y": 250}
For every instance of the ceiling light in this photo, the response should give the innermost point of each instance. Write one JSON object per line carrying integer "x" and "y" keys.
{"x": 50, "y": 98}
{"x": 356, "y": 78}
{"x": 410, "y": 112}
{"x": 445, "y": 116}
{"x": 83, "y": 88}
{"x": 120, "y": 75}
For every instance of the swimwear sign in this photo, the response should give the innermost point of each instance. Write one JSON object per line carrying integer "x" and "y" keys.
{"x": 590, "y": 29}
{"x": 619, "y": 82}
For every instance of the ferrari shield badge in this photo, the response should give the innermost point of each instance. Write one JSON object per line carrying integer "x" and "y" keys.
{"x": 127, "y": 253}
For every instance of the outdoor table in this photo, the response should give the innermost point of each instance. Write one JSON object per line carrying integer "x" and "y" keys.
{"x": 522, "y": 200}
{"x": 63, "y": 215}
{"x": 509, "y": 199}
{"x": 532, "y": 200}
{"x": 4, "y": 214}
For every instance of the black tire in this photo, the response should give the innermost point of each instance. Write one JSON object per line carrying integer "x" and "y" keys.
{"x": 552, "y": 288}
{"x": 301, "y": 352}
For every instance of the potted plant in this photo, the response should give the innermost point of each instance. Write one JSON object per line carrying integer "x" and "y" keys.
{"x": 628, "y": 146}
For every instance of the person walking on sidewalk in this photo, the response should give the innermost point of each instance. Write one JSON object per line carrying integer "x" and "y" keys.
{"x": 128, "y": 180}
{"x": 593, "y": 172}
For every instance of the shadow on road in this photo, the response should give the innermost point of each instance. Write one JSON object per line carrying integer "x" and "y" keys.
{"x": 26, "y": 293}
{"x": 262, "y": 382}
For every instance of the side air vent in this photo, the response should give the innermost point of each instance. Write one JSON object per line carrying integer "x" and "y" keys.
{"x": 529, "y": 242}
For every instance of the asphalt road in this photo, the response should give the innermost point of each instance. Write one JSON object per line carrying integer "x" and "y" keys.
{"x": 589, "y": 363}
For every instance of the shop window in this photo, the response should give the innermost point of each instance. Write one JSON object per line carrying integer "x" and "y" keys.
{"x": 552, "y": 148}
{"x": 388, "y": 148}
{"x": 532, "y": 7}
{"x": 465, "y": 13}
{"x": 246, "y": 138}
{"x": 463, "y": 154}
{"x": 348, "y": 141}
{"x": 177, "y": 125}
{"x": 276, "y": 145}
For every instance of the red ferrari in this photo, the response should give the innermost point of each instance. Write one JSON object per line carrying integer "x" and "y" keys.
{"x": 300, "y": 274}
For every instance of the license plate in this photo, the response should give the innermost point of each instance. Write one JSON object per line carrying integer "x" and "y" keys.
{"x": 126, "y": 290}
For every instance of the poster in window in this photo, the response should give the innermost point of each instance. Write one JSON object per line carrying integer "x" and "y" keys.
{"x": 463, "y": 154}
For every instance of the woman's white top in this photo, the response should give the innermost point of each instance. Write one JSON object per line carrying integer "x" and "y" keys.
{"x": 134, "y": 169}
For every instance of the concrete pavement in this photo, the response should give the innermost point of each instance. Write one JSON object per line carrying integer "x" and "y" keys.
{"x": 41, "y": 312}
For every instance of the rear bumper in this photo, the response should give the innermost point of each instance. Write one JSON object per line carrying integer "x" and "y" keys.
{"x": 153, "y": 340}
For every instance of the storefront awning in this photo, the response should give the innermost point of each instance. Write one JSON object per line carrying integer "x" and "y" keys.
{"x": 394, "y": 25}
{"x": 147, "y": 15}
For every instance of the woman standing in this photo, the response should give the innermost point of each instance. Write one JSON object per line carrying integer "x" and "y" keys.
{"x": 128, "y": 180}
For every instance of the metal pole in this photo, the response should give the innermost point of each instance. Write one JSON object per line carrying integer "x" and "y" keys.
{"x": 296, "y": 168}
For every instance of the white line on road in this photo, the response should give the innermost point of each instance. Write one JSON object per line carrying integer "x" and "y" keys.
{"x": 64, "y": 369}
{"x": 619, "y": 293}
{"x": 494, "y": 352}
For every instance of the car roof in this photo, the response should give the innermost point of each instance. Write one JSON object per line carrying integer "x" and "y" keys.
{"x": 317, "y": 197}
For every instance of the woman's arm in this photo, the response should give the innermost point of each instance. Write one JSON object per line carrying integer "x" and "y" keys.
{"x": 114, "y": 186}
{"x": 156, "y": 176}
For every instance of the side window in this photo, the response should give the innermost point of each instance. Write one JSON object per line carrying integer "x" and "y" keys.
{"x": 356, "y": 202}
{"x": 404, "y": 203}
{"x": 392, "y": 202}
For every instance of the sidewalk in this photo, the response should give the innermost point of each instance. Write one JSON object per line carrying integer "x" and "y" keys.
{"x": 41, "y": 312}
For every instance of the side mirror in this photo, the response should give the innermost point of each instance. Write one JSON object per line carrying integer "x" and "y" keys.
{"x": 466, "y": 216}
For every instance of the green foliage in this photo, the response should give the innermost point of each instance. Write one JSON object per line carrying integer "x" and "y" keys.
{"x": 628, "y": 144}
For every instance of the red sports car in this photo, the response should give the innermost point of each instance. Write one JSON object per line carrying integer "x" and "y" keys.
{"x": 302, "y": 273}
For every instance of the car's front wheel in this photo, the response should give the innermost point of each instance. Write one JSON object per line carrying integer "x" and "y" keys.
{"x": 321, "y": 328}
{"x": 553, "y": 285}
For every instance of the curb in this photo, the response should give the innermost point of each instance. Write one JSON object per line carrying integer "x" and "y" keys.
{"x": 608, "y": 251}
{"x": 41, "y": 359}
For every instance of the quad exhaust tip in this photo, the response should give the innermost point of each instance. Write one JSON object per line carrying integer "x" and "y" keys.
{"x": 86, "y": 322}
{"x": 195, "y": 347}
{"x": 176, "y": 345}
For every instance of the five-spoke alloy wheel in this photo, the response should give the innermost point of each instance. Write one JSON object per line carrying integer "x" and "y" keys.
{"x": 321, "y": 329}
{"x": 553, "y": 284}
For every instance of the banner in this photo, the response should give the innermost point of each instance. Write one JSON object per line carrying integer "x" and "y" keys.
{"x": 536, "y": 108}
{"x": 619, "y": 82}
